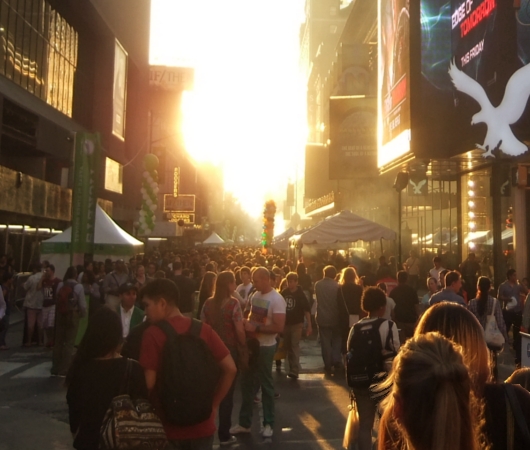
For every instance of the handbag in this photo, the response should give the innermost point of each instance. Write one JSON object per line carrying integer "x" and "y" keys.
{"x": 493, "y": 336}
{"x": 131, "y": 424}
{"x": 512, "y": 304}
{"x": 351, "y": 432}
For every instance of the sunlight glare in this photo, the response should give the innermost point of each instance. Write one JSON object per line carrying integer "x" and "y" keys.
{"x": 247, "y": 110}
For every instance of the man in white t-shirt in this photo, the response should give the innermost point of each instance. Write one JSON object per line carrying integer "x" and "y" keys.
{"x": 265, "y": 321}
{"x": 435, "y": 271}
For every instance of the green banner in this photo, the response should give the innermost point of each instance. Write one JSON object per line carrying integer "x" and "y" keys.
{"x": 86, "y": 175}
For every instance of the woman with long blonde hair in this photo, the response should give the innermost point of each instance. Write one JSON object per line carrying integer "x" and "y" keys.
{"x": 431, "y": 399}
{"x": 458, "y": 324}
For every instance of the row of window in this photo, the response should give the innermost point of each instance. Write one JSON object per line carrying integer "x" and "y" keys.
{"x": 38, "y": 51}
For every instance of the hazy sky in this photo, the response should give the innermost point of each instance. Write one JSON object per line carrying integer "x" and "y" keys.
{"x": 247, "y": 111}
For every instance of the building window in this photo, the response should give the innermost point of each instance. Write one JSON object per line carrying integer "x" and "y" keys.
{"x": 38, "y": 51}
{"x": 113, "y": 176}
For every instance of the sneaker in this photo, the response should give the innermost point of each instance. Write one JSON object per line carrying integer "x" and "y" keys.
{"x": 238, "y": 429}
{"x": 267, "y": 431}
{"x": 293, "y": 376}
{"x": 228, "y": 442}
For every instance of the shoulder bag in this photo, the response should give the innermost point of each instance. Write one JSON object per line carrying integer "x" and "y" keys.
{"x": 351, "y": 432}
{"x": 131, "y": 423}
{"x": 353, "y": 318}
{"x": 493, "y": 336}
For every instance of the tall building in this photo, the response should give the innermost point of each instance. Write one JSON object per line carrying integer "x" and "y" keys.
{"x": 68, "y": 66}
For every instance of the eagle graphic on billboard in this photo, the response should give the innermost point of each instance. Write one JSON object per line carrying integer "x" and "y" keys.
{"x": 497, "y": 119}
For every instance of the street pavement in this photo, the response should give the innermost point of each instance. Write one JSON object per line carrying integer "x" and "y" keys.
{"x": 310, "y": 412}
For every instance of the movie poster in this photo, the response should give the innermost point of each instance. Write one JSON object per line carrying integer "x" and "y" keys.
{"x": 394, "y": 80}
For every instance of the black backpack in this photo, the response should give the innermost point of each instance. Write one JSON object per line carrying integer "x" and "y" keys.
{"x": 365, "y": 353}
{"x": 188, "y": 377}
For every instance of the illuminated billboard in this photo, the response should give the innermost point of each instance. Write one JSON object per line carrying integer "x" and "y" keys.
{"x": 394, "y": 119}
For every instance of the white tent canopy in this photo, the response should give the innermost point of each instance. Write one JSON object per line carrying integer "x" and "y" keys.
{"x": 344, "y": 227}
{"x": 110, "y": 241}
{"x": 282, "y": 240}
{"x": 213, "y": 239}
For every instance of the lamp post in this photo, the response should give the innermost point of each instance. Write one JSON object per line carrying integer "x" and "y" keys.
{"x": 401, "y": 182}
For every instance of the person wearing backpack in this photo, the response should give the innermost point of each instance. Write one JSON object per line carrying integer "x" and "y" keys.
{"x": 372, "y": 344}
{"x": 188, "y": 369}
{"x": 69, "y": 308}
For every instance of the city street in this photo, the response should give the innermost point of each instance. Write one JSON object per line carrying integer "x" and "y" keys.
{"x": 311, "y": 412}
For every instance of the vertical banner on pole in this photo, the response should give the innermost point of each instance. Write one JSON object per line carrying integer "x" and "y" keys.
{"x": 86, "y": 174}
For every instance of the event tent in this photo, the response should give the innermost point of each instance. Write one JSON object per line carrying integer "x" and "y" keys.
{"x": 213, "y": 239}
{"x": 110, "y": 241}
{"x": 282, "y": 240}
{"x": 343, "y": 227}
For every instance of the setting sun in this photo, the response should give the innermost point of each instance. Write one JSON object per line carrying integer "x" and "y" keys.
{"x": 247, "y": 110}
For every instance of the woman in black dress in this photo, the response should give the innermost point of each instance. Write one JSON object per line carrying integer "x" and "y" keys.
{"x": 97, "y": 375}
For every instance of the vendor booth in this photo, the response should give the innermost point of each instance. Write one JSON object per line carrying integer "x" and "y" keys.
{"x": 110, "y": 241}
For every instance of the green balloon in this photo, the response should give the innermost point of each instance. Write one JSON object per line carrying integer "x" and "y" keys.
{"x": 150, "y": 162}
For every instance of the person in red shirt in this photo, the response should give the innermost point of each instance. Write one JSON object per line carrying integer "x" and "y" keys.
{"x": 161, "y": 300}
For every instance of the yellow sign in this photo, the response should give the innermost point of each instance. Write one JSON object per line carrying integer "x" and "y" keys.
{"x": 189, "y": 219}
{"x": 176, "y": 181}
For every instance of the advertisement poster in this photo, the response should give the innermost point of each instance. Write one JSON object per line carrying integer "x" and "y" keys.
{"x": 353, "y": 136}
{"x": 120, "y": 91}
{"x": 85, "y": 192}
{"x": 394, "y": 80}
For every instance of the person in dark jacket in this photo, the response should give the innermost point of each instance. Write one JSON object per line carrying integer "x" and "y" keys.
{"x": 407, "y": 307}
{"x": 297, "y": 308}
{"x": 96, "y": 376}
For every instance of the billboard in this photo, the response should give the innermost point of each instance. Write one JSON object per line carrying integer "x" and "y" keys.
{"x": 353, "y": 137}
{"x": 469, "y": 52}
{"x": 394, "y": 117}
{"x": 182, "y": 203}
{"x": 172, "y": 78}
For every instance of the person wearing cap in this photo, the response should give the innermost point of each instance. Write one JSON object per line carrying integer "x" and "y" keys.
{"x": 130, "y": 314}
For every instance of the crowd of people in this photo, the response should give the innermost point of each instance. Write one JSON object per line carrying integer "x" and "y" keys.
{"x": 412, "y": 363}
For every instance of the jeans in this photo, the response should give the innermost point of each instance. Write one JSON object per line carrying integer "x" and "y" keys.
{"x": 263, "y": 369}
{"x": 225, "y": 410}
{"x": 366, "y": 408}
{"x": 515, "y": 319}
{"x": 65, "y": 333}
{"x": 3, "y": 333}
{"x": 205, "y": 443}
{"x": 291, "y": 339}
{"x": 330, "y": 343}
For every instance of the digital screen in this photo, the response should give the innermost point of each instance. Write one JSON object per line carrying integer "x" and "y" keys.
{"x": 478, "y": 37}
{"x": 393, "y": 80}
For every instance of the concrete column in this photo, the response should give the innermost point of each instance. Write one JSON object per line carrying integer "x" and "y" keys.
{"x": 519, "y": 232}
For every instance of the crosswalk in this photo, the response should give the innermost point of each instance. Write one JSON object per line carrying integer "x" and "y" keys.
{"x": 22, "y": 365}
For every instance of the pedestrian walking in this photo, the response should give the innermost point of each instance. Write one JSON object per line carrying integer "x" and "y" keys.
{"x": 48, "y": 284}
{"x": 296, "y": 310}
{"x": 407, "y": 309}
{"x": 223, "y": 313}
{"x": 69, "y": 308}
{"x": 265, "y": 321}
{"x": 327, "y": 319}
{"x": 97, "y": 375}
{"x": 187, "y": 403}
{"x": 33, "y": 306}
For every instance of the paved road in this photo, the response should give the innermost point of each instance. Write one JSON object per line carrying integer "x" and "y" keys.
{"x": 311, "y": 412}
